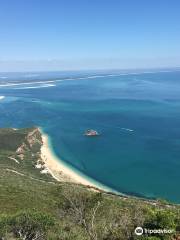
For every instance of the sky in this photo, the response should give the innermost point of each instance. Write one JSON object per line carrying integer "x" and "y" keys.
{"x": 38, "y": 35}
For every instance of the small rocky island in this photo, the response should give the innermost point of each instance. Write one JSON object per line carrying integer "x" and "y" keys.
{"x": 91, "y": 133}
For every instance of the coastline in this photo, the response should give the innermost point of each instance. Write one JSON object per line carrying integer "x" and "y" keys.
{"x": 64, "y": 173}
{"x": 61, "y": 172}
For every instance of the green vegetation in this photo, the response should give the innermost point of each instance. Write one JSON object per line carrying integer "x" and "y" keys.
{"x": 35, "y": 206}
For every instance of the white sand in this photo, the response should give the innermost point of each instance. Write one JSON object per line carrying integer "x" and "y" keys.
{"x": 58, "y": 169}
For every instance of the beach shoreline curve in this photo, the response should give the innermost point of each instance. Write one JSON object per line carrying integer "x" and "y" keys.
{"x": 61, "y": 172}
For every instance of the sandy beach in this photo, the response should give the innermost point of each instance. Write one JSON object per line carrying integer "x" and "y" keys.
{"x": 58, "y": 169}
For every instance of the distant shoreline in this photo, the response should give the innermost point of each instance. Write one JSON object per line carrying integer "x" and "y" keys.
{"x": 63, "y": 173}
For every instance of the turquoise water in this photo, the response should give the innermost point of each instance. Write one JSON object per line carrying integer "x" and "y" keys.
{"x": 138, "y": 116}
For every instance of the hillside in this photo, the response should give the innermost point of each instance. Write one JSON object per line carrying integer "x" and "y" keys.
{"x": 34, "y": 205}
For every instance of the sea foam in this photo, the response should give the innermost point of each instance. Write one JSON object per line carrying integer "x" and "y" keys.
{"x": 40, "y": 86}
{"x": 28, "y": 83}
{"x": 2, "y": 97}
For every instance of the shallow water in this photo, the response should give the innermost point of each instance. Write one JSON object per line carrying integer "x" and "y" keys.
{"x": 138, "y": 116}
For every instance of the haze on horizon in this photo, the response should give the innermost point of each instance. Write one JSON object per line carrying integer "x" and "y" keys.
{"x": 73, "y": 35}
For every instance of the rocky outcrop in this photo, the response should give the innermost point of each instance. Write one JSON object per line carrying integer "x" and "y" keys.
{"x": 31, "y": 144}
{"x": 33, "y": 138}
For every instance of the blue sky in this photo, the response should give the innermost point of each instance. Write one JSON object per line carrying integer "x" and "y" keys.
{"x": 88, "y": 34}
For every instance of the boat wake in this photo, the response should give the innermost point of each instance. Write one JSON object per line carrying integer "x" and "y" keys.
{"x": 128, "y": 129}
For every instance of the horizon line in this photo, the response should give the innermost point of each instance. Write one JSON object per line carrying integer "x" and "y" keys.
{"x": 94, "y": 69}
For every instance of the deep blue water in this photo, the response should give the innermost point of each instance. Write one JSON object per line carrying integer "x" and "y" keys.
{"x": 144, "y": 161}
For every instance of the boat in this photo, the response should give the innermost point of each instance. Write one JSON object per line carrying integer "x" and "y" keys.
{"x": 91, "y": 133}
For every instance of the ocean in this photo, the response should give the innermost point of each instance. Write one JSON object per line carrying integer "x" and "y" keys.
{"x": 136, "y": 113}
